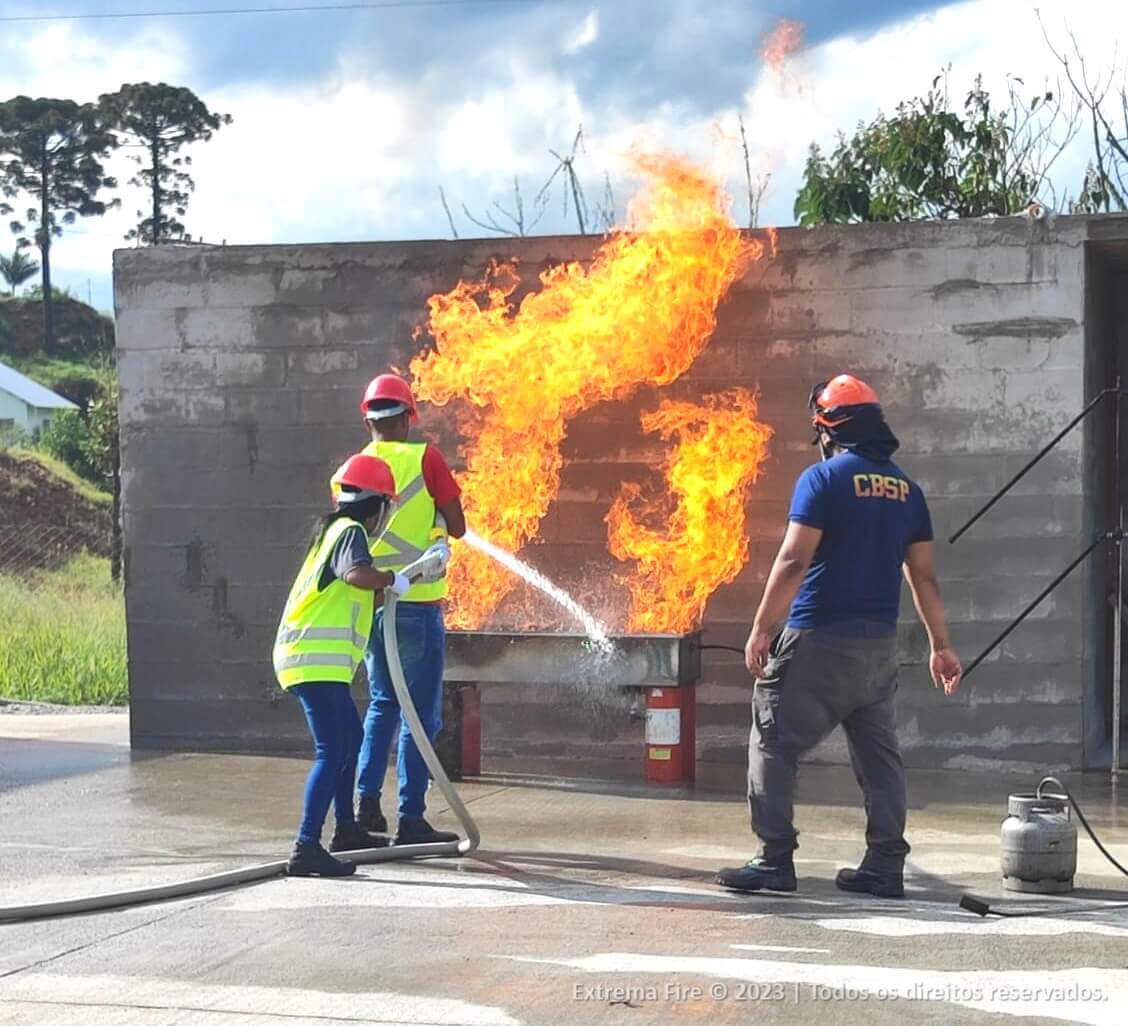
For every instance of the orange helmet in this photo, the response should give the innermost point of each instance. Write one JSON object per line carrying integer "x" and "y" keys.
{"x": 830, "y": 400}
{"x": 389, "y": 388}
{"x": 365, "y": 477}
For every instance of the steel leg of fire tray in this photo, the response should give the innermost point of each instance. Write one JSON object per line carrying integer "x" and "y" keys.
{"x": 459, "y": 744}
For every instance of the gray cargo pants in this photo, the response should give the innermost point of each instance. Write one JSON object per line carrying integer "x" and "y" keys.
{"x": 814, "y": 681}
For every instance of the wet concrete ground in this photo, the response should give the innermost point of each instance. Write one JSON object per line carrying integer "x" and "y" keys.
{"x": 585, "y": 906}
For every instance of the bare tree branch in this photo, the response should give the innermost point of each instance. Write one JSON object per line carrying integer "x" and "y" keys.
{"x": 446, "y": 207}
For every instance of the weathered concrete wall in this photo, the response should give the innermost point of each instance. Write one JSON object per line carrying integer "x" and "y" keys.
{"x": 241, "y": 370}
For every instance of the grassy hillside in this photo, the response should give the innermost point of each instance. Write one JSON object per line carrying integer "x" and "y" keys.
{"x": 62, "y": 619}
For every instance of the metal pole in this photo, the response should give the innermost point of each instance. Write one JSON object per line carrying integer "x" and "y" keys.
{"x": 1098, "y": 541}
{"x": 1093, "y": 403}
{"x": 1118, "y": 621}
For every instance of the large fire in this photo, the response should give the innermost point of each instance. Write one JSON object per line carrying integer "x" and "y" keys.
{"x": 699, "y": 540}
{"x": 638, "y": 315}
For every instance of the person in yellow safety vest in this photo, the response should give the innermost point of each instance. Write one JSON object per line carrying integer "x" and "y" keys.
{"x": 429, "y": 507}
{"x": 319, "y": 645}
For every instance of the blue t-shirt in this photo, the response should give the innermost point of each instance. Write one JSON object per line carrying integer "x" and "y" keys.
{"x": 870, "y": 513}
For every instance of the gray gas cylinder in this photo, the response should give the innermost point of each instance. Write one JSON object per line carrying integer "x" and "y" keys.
{"x": 1039, "y": 842}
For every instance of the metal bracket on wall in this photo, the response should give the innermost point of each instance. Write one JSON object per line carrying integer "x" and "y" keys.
{"x": 1114, "y": 536}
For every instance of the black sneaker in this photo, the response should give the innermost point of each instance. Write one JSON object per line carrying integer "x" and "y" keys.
{"x": 419, "y": 831}
{"x": 759, "y": 874}
{"x": 310, "y": 859}
{"x": 369, "y": 817}
{"x": 351, "y": 838}
{"x": 888, "y": 884}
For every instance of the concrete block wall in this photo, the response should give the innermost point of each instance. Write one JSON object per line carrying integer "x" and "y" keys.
{"x": 241, "y": 371}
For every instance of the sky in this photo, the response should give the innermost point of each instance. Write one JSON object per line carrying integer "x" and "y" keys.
{"x": 347, "y": 123}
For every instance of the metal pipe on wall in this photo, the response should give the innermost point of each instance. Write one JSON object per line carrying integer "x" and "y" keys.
{"x": 1118, "y": 619}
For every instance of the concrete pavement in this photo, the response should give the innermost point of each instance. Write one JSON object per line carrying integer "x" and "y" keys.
{"x": 587, "y": 905}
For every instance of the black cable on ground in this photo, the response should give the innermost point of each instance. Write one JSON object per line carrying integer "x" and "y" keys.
{"x": 982, "y": 908}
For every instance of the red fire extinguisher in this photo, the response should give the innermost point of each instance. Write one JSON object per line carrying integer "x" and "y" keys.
{"x": 671, "y": 734}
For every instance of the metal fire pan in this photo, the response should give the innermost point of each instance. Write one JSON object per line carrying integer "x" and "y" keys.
{"x": 639, "y": 660}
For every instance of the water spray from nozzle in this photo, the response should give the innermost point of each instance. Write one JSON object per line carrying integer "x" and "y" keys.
{"x": 595, "y": 630}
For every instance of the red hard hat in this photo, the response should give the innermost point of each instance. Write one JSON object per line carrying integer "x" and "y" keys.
{"x": 389, "y": 387}
{"x": 829, "y": 397}
{"x": 367, "y": 475}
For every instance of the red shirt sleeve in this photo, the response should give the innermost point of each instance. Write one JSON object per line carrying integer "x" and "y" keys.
{"x": 437, "y": 477}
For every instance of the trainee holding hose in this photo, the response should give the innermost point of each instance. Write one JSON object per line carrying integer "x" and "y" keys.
{"x": 320, "y": 643}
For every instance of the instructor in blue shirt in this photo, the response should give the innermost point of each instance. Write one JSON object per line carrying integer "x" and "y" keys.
{"x": 823, "y": 644}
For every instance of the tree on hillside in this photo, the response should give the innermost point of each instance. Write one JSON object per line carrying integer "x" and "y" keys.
{"x": 52, "y": 150}
{"x": 160, "y": 120}
{"x": 930, "y": 160}
{"x": 17, "y": 269}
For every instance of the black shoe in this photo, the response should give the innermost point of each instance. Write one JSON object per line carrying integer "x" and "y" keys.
{"x": 419, "y": 831}
{"x": 351, "y": 838}
{"x": 759, "y": 874}
{"x": 310, "y": 859}
{"x": 369, "y": 817}
{"x": 889, "y": 884}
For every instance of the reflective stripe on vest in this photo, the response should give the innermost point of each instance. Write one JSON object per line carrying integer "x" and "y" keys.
{"x": 408, "y": 534}
{"x": 323, "y": 633}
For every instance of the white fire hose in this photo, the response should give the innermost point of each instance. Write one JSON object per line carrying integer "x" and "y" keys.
{"x": 419, "y": 570}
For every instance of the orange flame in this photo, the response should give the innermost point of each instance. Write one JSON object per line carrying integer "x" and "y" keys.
{"x": 639, "y": 314}
{"x": 785, "y": 40}
{"x": 720, "y": 448}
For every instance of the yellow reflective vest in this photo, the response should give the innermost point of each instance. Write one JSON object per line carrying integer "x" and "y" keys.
{"x": 412, "y": 527}
{"x": 323, "y": 633}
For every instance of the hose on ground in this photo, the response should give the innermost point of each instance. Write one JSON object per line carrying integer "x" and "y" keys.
{"x": 267, "y": 870}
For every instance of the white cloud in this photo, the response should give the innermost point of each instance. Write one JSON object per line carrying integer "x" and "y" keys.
{"x": 585, "y": 35}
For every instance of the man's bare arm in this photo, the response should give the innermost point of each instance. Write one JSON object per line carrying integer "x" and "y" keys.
{"x": 790, "y": 567}
{"x": 920, "y": 573}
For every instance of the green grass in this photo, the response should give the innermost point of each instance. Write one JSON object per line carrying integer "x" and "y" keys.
{"x": 88, "y": 491}
{"x": 62, "y": 636}
{"x": 49, "y": 370}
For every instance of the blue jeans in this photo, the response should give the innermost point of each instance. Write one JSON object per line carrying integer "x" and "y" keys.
{"x": 422, "y": 637}
{"x": 335, "y": 726}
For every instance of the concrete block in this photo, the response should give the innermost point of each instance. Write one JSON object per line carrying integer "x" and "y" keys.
{"x": 1015, "y": 684}
{"x": 199, "y": 408}
{"x": 159, "y": 278}
{"x": 319, "y": 363}
{"x": 286, "y": 327}
{"x": 802, "y": 314}
{"x": 882, "y": 267}
{"x": 1067, "y": 352}
{"x": 332, "y": 407}
{"x": 1030, "y": 517}
{"x": 1011, "y": 354}
{"x": 285, "y": 447}
{"x": 139, "y": 328}
{"x": 264, "y": 370}
{"x": 266, "y": 409}
{"x": 977, "y": 391}
{"x": 976, "y": 556}
{"x": 1045, "y": 392}
{"x": 234, "y": 280}
{"x": 984, "y": 266}
{"x": 216, "y": 328}
{"x": 942, "y": 474}
{"x": 1004, "y": 599}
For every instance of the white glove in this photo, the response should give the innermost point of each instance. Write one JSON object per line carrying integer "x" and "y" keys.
{"x": 435, "y": 561}
{"x": 443, "y": 550}
{"x": 400, "y": 586}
